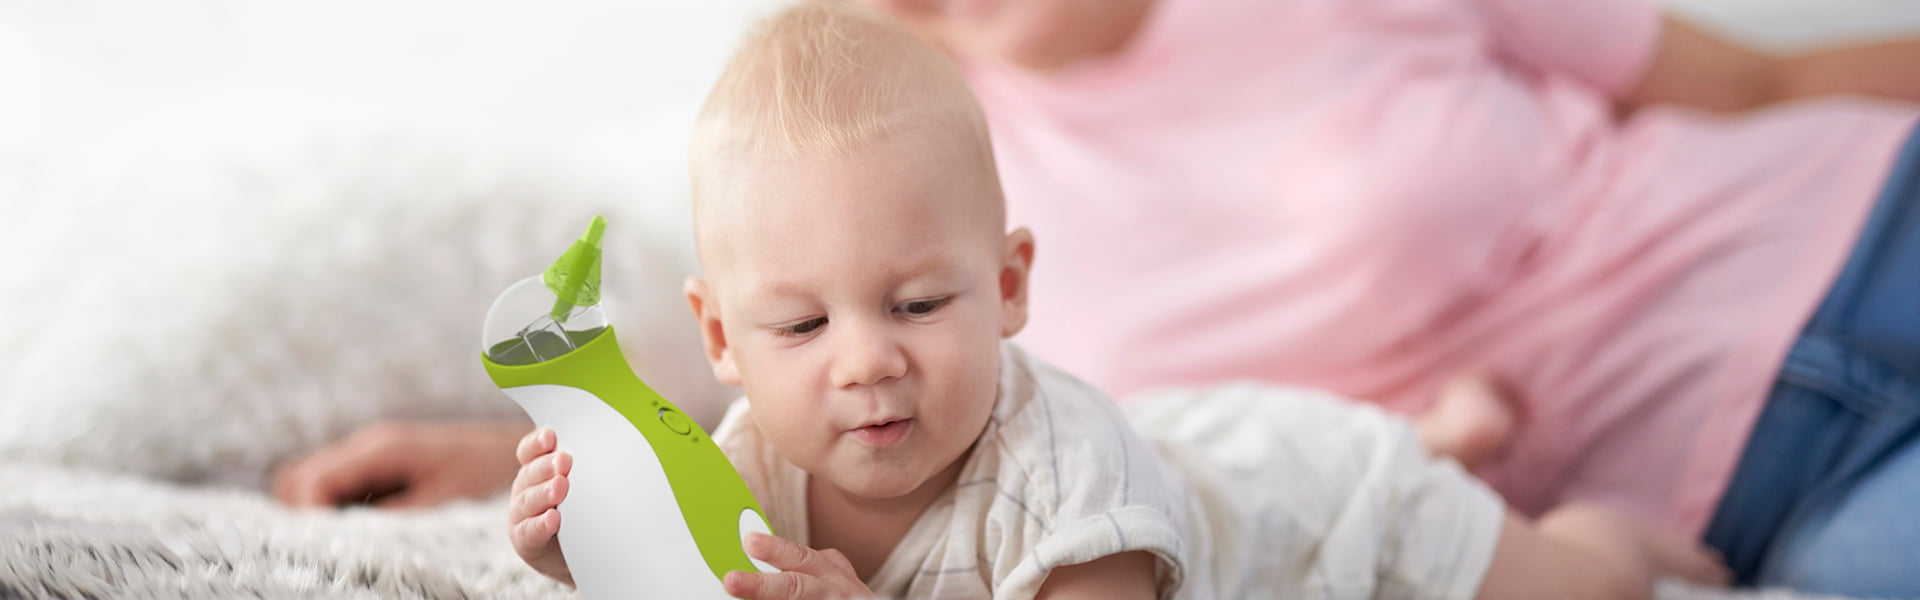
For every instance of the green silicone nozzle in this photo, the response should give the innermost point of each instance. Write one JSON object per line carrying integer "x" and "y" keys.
{"x": 575, "y": 278}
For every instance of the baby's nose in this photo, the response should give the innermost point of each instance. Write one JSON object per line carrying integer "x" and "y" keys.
{"x": 867, "y": 358}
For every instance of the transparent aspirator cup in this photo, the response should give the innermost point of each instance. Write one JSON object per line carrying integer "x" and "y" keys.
{"x": 520, "y": 330}
{"x": 544, "y": 317}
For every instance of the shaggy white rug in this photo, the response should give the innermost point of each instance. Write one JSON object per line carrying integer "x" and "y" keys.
{"x": 77, "y": 534}
{"x": 204, "y": 326}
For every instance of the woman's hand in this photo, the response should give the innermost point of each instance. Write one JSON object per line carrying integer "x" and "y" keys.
{"x": 403, "y": 465}
{"x": 808, "y": 574}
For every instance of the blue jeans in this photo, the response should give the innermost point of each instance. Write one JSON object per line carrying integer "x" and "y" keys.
{"x": 1827, "y": 494}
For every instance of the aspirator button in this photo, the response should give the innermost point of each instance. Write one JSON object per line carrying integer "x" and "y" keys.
{"x": 675, "y": 421}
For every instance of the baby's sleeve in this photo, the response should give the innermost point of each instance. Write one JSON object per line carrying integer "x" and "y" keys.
{"x": 1603, "y": 43}
{"x": 1090, "y": 488}
{"x": 1092, "y": 537}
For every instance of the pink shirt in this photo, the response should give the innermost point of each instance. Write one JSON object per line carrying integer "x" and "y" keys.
{"x": 1371, "y": 195}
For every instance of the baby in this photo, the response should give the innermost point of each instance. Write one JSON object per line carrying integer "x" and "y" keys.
{"x": 860, "y": 281}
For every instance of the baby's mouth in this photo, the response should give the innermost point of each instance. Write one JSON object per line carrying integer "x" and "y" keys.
{"x": 885, "y": 433}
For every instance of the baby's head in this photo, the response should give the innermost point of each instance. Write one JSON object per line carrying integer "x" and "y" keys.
{"x": 858, "y": 269}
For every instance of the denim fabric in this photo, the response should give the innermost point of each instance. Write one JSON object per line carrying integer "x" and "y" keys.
{"x": 1827, "y": 494}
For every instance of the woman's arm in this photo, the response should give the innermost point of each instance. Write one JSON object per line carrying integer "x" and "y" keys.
{"x": 1888, "y": 69}
{"x": 1693, "y": 67}
{"x": 405, "y": 465}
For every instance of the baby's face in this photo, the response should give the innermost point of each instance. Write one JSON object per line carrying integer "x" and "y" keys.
{"x": 861, "y": 301}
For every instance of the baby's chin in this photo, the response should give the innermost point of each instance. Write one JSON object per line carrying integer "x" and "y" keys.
{"x": 870, "y": 481}
{"x": 873, "y": 488}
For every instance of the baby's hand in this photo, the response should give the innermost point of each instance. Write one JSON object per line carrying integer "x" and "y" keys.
{"x": 808, "y": 574}
{"x": 533, "y": 514}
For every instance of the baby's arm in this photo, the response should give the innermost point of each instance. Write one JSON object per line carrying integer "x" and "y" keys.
{"x": 1124, "y": 575}
{"x": 1587, "y": 552}
{"x": 533, "y": 514}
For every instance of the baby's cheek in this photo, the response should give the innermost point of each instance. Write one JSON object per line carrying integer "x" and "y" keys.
{"x": 793, "y": 436}
{"x": 961, "y": 420}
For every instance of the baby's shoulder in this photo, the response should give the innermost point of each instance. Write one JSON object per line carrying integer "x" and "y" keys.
{"x": 1045, "y": 412}
{"x": 1064, "y": 442}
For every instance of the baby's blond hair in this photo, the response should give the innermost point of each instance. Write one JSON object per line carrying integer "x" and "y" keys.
{"x": 826, "y": 78}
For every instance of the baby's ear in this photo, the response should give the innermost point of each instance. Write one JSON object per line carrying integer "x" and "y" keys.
{"x": 1015, "y": 264}
{"x": 707, "y": 312}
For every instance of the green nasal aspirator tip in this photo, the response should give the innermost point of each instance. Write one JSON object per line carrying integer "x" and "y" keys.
{"x": 574, "y": 279}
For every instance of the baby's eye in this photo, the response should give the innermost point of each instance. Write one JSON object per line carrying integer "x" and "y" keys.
{"x": 921, "y": 308}
{"x": 802, "y": 328}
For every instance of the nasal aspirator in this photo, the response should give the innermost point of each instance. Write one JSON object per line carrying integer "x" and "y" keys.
{"x": 654, "y": 508}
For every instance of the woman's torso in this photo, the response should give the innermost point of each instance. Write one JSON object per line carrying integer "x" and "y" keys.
{"x": 1368, "y": 197}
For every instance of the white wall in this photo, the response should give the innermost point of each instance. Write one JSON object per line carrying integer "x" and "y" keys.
{"x": 101, "y": 82}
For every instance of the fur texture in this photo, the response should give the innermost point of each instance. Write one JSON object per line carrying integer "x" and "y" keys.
{"x": 89, "y": 535}
{"x": 76, "y": 534}
{"x": 293, "y": 298}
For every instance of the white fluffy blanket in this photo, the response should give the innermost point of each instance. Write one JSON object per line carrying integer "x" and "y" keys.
{"x": 76, "y": 534}
{"x": 71, "y": 533}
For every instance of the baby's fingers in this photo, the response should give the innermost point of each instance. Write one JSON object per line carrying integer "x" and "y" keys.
{"x": 786, "y": 555}
{"x": 543, "y": 468}
{"x": 775, "y": 586}
{"x": 540, "y": 441}
{"x": 530, "y": 535}
{"x": 809, "y": 573}
{"x": 536, "y": 499}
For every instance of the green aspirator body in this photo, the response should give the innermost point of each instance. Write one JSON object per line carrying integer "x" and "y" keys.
{"x": 654, "y": 508}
